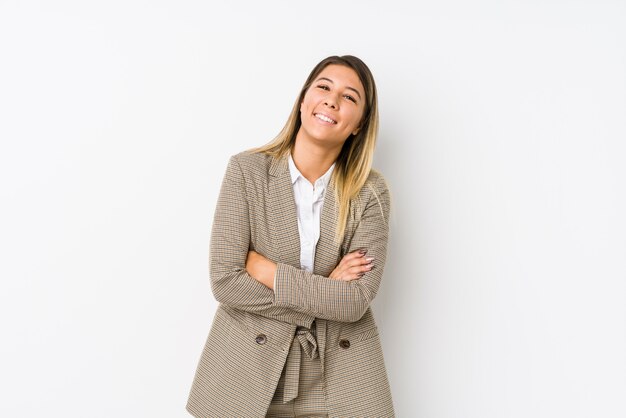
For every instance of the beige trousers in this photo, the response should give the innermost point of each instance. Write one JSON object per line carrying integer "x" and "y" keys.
{"x": 307, "y": 379}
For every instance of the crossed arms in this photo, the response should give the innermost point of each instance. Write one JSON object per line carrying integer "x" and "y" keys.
{"x": 247, "y": 280}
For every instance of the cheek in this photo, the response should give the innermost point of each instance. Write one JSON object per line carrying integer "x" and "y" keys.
{"x": 356, "y": 118}
{"x": 305, "y": 104}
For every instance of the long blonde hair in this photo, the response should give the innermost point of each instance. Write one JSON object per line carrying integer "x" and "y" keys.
{"x": 354, "y": 162}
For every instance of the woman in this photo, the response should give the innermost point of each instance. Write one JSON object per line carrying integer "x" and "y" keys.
{"x": 298, "y": 247}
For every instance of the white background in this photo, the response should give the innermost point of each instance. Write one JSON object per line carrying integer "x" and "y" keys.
{"x": 503, "y": 129}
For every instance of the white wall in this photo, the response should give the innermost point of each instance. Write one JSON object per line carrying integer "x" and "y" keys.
{"x": 502, "y": 136}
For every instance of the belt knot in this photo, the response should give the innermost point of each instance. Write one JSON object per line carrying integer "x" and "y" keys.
{"x": 308, "y": 342}
{"x": 306, "y": 338}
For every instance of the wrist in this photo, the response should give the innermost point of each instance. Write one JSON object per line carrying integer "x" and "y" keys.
{"x": 261, "y": 269}
{"x": 267, "y": 273}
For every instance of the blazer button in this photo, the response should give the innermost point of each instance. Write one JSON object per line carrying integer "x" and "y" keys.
{"x": 344, "y": 343}
{"x": 261, "y": 339}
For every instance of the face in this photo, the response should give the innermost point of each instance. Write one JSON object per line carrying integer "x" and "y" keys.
{"x": 332, "y": 106}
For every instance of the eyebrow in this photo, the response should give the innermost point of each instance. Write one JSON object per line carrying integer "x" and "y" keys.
{"x": 348, "y": 87}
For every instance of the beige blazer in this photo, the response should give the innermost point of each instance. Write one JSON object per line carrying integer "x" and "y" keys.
{"x": 253, "y": 327}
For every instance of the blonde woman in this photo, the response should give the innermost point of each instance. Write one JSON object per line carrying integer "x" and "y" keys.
{"x": 297, "y": 252}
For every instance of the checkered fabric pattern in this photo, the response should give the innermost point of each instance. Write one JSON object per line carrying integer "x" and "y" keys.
{"x": 254, "y": 327}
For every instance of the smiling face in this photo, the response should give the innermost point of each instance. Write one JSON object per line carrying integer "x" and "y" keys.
{"x": 332, "y": 107}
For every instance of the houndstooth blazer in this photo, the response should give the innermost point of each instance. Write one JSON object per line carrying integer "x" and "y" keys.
{"x": 253, "y": 327}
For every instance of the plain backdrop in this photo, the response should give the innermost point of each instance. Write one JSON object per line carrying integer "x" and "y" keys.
{"x": 503, "y": 129}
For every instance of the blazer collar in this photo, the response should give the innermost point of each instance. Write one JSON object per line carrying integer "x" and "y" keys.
{"x": 279, "y": 166}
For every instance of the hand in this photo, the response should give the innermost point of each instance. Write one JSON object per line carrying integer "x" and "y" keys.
{"x": 261, "y": 268}
{"x": 353, "y": 266}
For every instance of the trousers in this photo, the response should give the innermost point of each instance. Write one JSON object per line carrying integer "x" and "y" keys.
{"x": 300, "y": 391}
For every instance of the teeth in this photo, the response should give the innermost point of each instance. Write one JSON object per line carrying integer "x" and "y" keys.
{"x": 324, "y": 118}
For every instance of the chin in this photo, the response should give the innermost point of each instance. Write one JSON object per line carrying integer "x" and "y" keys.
{"x": 330, "y": 142}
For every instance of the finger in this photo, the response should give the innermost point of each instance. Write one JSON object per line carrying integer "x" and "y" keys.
{"x": 359, "y": 261}
{"x": 353, "y": 259}
{"x": 355, "y": 255}
{"x": 348, "y": 277}
{"x": 360, "y": 270}
{"x": 355, "y": 271}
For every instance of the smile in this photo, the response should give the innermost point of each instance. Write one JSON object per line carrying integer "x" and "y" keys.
{"x": 325, "y": 118}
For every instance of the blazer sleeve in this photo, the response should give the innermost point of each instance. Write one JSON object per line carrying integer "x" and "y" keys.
{"x": 229, "y": 246}
{"x": 338, "y": 300}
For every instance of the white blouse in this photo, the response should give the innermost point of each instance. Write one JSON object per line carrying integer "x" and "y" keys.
{"x": 309, "y": 201}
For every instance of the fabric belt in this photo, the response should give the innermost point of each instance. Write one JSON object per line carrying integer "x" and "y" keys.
{"x": 307, "y": 339}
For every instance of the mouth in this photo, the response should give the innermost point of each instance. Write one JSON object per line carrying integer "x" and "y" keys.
{"x": 325, "y": 118}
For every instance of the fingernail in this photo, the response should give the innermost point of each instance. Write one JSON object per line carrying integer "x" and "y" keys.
{"x": 369, "y": 259}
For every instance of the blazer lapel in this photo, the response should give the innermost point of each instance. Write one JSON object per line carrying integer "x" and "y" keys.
{"x": 283, "y": 221}
{"x": 282, "y": 213}
{"x": 327, "y": 252}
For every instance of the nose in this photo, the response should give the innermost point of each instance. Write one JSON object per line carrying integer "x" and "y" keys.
{"x": 331, "y": 102}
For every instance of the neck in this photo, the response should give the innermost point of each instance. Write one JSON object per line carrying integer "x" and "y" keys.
{"x": 311, "y": 160}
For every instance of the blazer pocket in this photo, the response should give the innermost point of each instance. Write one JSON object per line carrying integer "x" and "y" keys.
{"x": 348, "y": 339}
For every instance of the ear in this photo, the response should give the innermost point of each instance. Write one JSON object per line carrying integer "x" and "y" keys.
{"x": 356, "y": 131}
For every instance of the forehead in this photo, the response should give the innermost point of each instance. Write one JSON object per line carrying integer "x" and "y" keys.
{"x": 341, "y": 75}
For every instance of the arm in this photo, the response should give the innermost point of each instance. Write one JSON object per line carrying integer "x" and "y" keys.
{"x": 230, "y": 241}
{"x": 351, "y": 267}
{"x": 341, "y": 300}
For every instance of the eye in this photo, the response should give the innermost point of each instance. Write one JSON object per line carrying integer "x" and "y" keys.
{"x": 323, "y": 87}
{"x": 347, "y": 96}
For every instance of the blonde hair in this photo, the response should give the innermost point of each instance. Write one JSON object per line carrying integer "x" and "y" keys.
{"x": 354, "y": 162}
